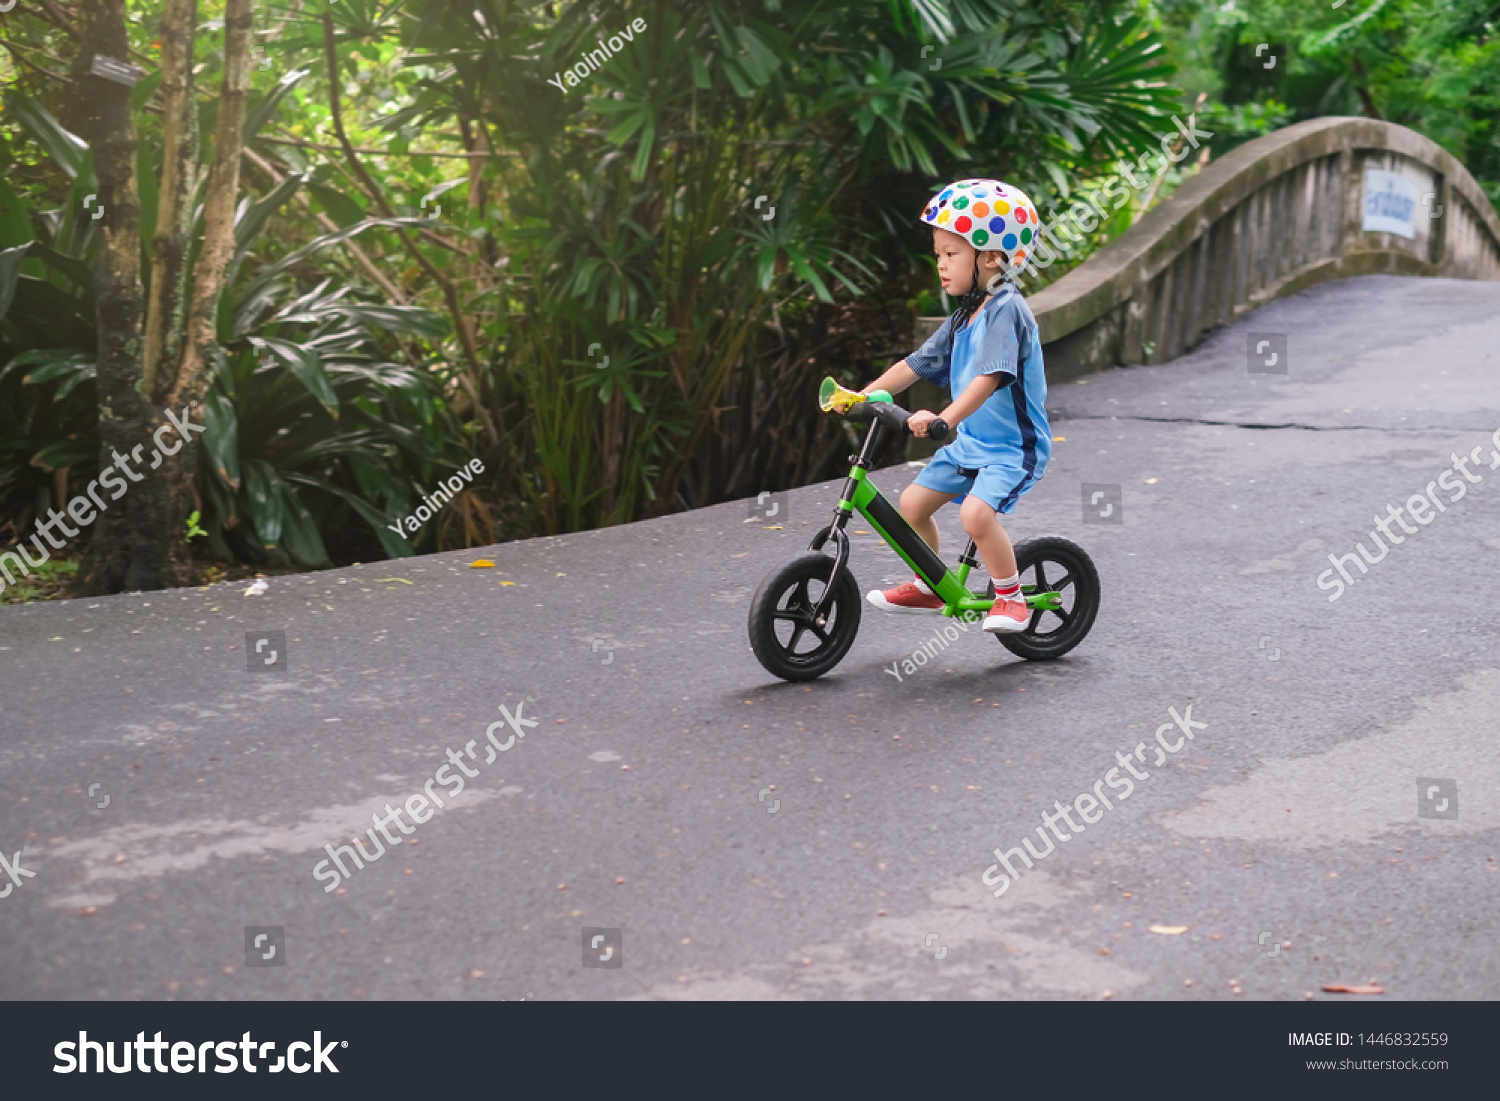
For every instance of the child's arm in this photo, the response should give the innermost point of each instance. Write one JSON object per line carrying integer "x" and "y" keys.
{"x": 974, "y": 395}
{"x": 896, "y": 379}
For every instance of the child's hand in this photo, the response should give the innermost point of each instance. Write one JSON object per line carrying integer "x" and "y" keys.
{"x": 919, "y": 421}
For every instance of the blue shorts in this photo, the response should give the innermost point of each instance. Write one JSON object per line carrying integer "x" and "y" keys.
{"x": 998, "y": 485}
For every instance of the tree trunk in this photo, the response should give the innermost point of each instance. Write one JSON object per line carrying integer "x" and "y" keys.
{"x": 123, "y": 551}
{"x": 201, "y": 339}
{"x": 146, "y": 387}
{"x": 1364, "y": 92}
{"x": 179, "y": 183}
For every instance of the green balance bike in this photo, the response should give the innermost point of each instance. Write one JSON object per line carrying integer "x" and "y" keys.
{"x": 805, "y": 614}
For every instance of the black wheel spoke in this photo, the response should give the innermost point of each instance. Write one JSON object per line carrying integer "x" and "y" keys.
{"x": 1036, "y": 617}
{"x": 1058, "y": 586}
{"x": 821, "y": 614}
{"x": 1041, "y": 576}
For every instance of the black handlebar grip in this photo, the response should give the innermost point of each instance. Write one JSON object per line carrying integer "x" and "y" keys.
{"x": 938, "y": 430}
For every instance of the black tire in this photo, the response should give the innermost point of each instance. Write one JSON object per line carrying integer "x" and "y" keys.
{"x": 780, "y": 618}
{"x": 1060, "y": 565}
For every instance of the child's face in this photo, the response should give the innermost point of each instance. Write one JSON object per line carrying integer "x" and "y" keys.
{"x": 955, "y": 262}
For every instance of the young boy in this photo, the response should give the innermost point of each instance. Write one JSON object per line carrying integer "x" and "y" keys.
{"x": 989, "y": 353}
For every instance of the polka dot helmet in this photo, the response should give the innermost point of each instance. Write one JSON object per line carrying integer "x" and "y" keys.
{"x": 989, "y": 214}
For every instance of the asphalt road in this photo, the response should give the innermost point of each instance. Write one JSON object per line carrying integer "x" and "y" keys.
{"x": 754, "y": 839}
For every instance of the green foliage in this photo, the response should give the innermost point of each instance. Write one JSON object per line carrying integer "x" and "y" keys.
{"x": 639, "y": 224}
{"x": 657, "y": 263}
{"x": 310, "y": 428}
{"x": 1432, "y": 65}
{"x": 46, "y": 582}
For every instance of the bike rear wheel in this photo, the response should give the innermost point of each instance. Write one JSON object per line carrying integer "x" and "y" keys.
{"x": 1054, "y": 564}
{"x": 786, "y": 640}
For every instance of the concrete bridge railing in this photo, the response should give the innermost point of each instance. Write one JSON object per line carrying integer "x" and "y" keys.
{"x": 1324, "y": 199}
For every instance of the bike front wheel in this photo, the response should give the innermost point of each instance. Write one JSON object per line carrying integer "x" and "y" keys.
{"x": 783, "y": 633}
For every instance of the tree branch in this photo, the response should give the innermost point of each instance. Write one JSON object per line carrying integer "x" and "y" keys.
{"x": 331, "y": 226}
{"x": 472, "y": 377}
{"x": 387, "y": 152}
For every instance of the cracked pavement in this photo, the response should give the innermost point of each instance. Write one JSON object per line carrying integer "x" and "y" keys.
{"x": 754, "y": 839}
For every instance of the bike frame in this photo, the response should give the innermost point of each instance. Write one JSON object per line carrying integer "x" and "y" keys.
{"x": 861, "y": 495}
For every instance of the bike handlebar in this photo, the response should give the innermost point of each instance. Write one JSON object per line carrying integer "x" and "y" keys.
{"x": 895, "y": 417}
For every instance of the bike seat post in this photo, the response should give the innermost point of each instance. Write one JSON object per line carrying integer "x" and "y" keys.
{"x": 966, "y": 562}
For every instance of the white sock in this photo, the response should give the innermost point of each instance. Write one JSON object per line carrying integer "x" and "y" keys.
{"x": 923, "y": 586}
{"x": 1008, "y": 588}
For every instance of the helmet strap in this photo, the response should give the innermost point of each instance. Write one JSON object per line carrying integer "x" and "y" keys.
{"x": 974, "y": 297}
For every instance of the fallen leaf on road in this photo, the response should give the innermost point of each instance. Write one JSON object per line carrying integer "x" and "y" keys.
{"x": 403, "y": 580}
{"x": 739, "y": 555}
{"x": 257, "y": 588}
{"x": 773, "y": 527}
{"x": 1169, "y": 930}
{"x": 482, "y": 564}
{"x": 1341, "y": 988}
{"x": 507, "y": 582}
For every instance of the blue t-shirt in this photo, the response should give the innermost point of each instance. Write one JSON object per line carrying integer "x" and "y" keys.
{"x": 1011, "y": 427}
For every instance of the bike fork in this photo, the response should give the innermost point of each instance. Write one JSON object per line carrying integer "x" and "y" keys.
{"x": 840, "y": 518}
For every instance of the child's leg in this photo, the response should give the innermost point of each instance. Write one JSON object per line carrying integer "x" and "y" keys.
{"x": 983, "y": 526}
{"x": 918, "y": 503}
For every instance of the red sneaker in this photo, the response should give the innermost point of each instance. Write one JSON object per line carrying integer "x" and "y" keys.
{"x": 906, "y": 598}
{"x": 1008, "y": 616}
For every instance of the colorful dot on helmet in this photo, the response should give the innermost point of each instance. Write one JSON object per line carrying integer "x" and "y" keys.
{"x": 963, "y": 224}
{"x": 1021, "y": 214}
{"x": 979, "y": 237}
{"x": 966, "y": 184}
{"x": 981, "y": 192}
{"x": 997, "y": 224}
{"x": 981, "y": 210}
{"x": 1002, "y": 207}
{"x": 946, "y": 194}
{"x": 960, "y": 202}
{"x": 1008, "y": 241}
{"x": 1026, "y": 236}
{"x": 1020, "y": 257}
{"x": 944, "y": 216}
